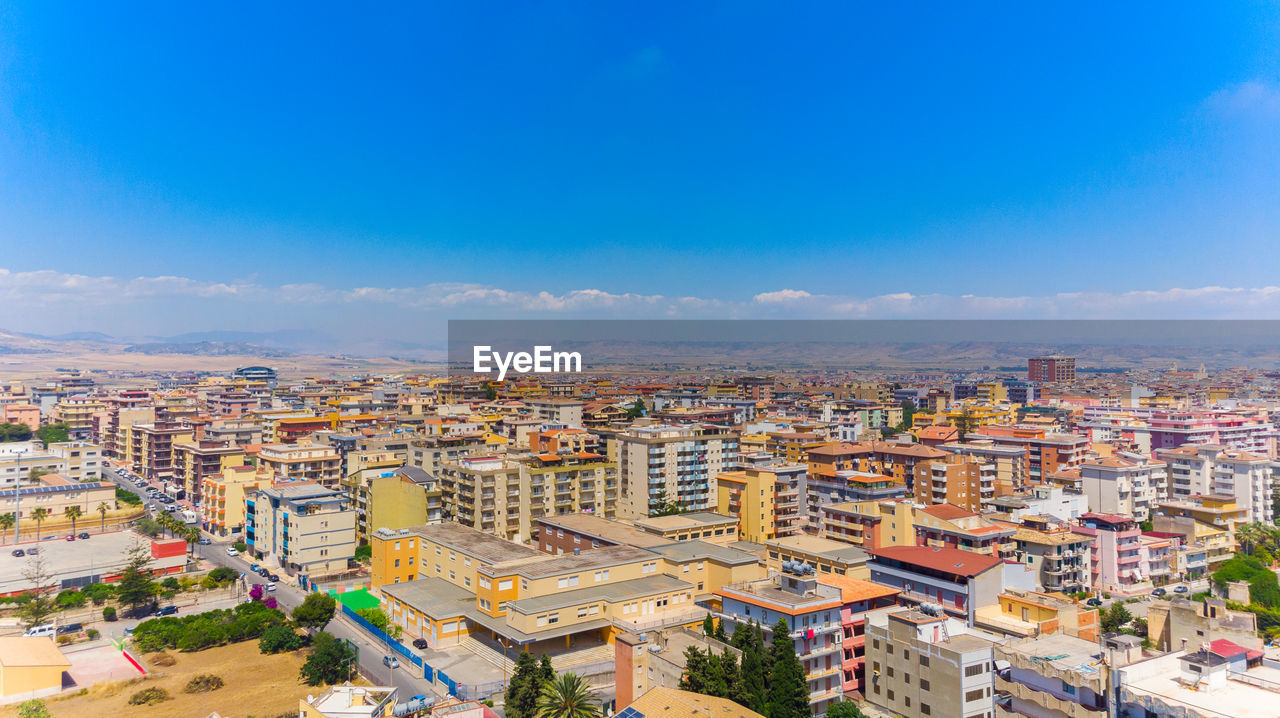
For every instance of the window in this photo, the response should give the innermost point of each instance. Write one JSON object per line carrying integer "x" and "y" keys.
{"x": 925, "y": 709}
{"x": 506, "y": 584}
{"x": 397, "y": 546}
{"x": 602, "y": 575}
{"x": 924, "y": 661}
{"x": 466, "y": 561}
{"x": 976, "y": 669}
{"x": 437, "y": 550}
{"x": 485, "y": 583}
{"x": 566, "y": 581}
{"x": 974, "y": 695}
{"x": 452, "y": 576}
{"x": 924, "y": 684}
{"x": 397, "y": 563}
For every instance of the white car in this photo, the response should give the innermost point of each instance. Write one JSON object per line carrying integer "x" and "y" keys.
{"x": 231, "y": 551}
{"x": 271, "y": 586}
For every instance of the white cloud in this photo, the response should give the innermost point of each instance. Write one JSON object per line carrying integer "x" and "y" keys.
{"x": 1254, "y": 98}
{"x": 48, "y": 294}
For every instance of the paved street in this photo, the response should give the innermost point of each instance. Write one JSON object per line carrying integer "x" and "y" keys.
{"x": 290, "y": 596}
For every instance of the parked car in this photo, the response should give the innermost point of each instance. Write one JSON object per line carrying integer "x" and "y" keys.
{"x": 1182, "y": 588}
{"x": 271, "y": 586}
{"x": 84, "y": 535}
{"x": 231, "y": 551}
{"x": 70, "y": 628}
{"x": 262, "y": 572}
{"x": 71, "y": 537}
{"x": 168, "y": 611}
{"x": 1159, "y": 591}
{"x": 274, "y": 578}
{"x": 1095, "y": 601}
{"x": 421, "y": 645}
{"x": 255, "y": 567}
{"x": 19, "y": 552}
{"x": 33, "y": 550}
{"x": 44, "y": 630}
{"x": 204, "y": 541}
{"x": 390, "y": 661}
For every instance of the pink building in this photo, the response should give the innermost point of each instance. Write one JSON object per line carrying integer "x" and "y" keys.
{"x": 1116, "y": 557}
{"x": 28, "y": 414}
{"x": 1230, "y": 429}
{"x": 857, "y": 597}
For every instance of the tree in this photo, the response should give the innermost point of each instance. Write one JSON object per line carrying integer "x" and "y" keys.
{"x": 731, "y": 674}
{"x": 73, "y": 513}
{"x": 364, "y": 553}
{"x": 315, "y": 611}
{"x": 660, "y": 505}
{"x": 752, "y": 688}
{"x": 136, "y": 588}
{"x": 709, "y": 625}
{"x": 567, "y": 696}
{"x": 35, "y": 611}
{"x": 1116, "y": 618}
{"x": 330, "y": 661}
{"x": 527, "y": 680}
{"x": 14, "y": 432}
{"x": 102, "y": 512}
{"x": 375, "y": 616}
{"x": 39, "y": 515}
{"x": 845, "y": 709}
{"x": 7, "y": 521}
{"x": 279, "y": 638}
{"x": 788, "y": 692}
{"x": 490, "y": 392}
{"x": 696, "y": 669}
{"x": 54, "y": 433}
{"x": 636, "y": 410}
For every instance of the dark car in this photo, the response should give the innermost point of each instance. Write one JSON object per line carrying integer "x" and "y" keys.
{"x": 1095, "y": 601}
{"x": 263, "y": 572}
{"x": 70, "y": 628}
{"x": 272, "y": 577}
{"x": 168, "y": 611}
{"x": 1159, "y": 591}
{"x": 33, "y": 550}
{"x": 420, "y": 644}
{"x": 84, "y": 535}
{"x": 19, "y": 552}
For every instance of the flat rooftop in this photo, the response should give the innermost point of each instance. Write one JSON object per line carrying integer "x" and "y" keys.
{"x": 823, "y": 548}
{"x": 609, "y": 592}
{"x": 1064, "y": 652}
{"x": 541, "y": 565}
{"x": 690, "y": 550}
{"x": 602, "y": 528}
{"x": 101, "y": 554}
{"x": 679, "y": 522}
{"x": 1236, "y": 699}
{"x": 486, "y": 547}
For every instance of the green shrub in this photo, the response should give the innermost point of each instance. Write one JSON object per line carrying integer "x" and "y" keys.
{"x": 149, "y": 697}
{"x": 71, "y": 598}
{"x": 204, "y": 630}
{"x": 279, "y": 639}
{"x": 171, "y": 583}
{"x": 93, "y": 634}
{"x": 109, "y": 613}
{"x": 241, "y": 546}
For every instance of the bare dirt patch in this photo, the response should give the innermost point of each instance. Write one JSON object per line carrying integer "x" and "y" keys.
{"x": 254, "y": 685}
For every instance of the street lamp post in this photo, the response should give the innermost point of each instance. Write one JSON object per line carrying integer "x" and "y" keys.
{"x": 505, "y": 645}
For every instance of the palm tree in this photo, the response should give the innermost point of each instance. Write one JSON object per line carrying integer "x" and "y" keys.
{"x": 73, "y": 513}
{"x": 567, "y": 696}
{"x": 39, "y": 515}
{"x": 6, "y": 522}
{"x": 193, "y": 535}
{"x": 102, "y": 511}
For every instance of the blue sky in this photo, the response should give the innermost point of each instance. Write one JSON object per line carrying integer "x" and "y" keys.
{"x": 168, "y": 166}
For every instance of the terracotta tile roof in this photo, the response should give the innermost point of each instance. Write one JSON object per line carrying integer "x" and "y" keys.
{"x": 948, "y": 560}
{"x": 947, "y": 512}
{"x": 853, "y": 590}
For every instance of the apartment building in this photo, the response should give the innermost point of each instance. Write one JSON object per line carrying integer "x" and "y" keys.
{"x": 857, "y": 598}
{"x": 303, "y": 527}
{"x": 1232, "y": 430}
{"x": 317, "y": 464}
{"x": 870, "y": 524}
{"x": 506, "y": 496}
{"x": 655, "y": 660}
{"x": 222, "y": 504}
{"x": 1047, "y": 451}
{"x": 679, "y": 463}
{"x": 1051, "y": 369}
{"x": 404, "y": 497}
{"x": 954, "y": 527}
{"x": 556, "y": 410}
{"x": 198, "y": 459}
{"x": 120, "y": 412}
{"x": 1042, "y": 500}
{"x": 839, "y": 487}
{"x": 575, "y": 533}
{"x": 824, "y": 556}
{"x": 959, "y": 581}
{"x": 148, "y": 448}
{"x": 925, "y": 664}
{"x": 1213, "y": 469}
{"x": 692, "y": 526}
{"x": 1115, "y": 557}
{"x": 1012, "y": 464}
{"x": 1024, "y": 614}
{"x": 1218, "y": 544}
{"x": 957, "y": 480}
{"x": 1054, "y": 674}
{"x": 1206, "y": 680}
{"x": 812, "y": 611}
{"x": 1059, "y": 556}
{"x": 447, "y": 581}
{"x": 79, "y": 460}
{"x": 1124, "y": 484}
{"x": 77, "y": 413}
{"x": 1179, "y": 624}
{"x": 776, "y": 490}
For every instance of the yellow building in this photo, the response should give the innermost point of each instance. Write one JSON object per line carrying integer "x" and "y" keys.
{"x": 824, "y": 555}
{"x": 405, "y": 497}
{"x": 303, "y": 462}
{"x": 222, "y": 510}
{"x": 444, "y": 581}
{"x": 693, "y": 526}
{"x": 348, "y": 701}
{"x": 977, "y": 416}
{"x": 30, "y": 667}
{"x": 750, "y": 496}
